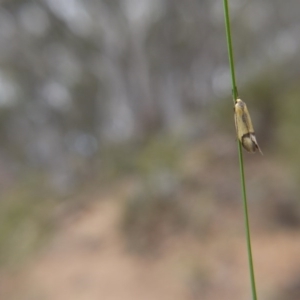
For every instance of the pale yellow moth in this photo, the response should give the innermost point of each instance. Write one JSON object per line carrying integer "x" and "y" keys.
{"x": 244, "y": 127}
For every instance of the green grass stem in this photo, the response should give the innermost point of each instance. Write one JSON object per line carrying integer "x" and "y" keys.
{"x": 241, "y": 162}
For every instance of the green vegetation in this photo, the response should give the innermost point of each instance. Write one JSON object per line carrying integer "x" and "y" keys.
{"x": 160, "y": 152}
{"x": 25, "y": 220}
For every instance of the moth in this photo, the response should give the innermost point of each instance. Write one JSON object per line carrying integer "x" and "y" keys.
{"x": 244, "y": 127}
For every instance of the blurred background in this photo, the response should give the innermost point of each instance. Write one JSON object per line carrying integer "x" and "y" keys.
{"x": 119, "y": 174}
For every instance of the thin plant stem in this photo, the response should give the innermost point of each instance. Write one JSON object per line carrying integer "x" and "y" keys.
{"x": 241, "y": 162}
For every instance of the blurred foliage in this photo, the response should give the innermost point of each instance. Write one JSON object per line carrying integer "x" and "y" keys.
{"x": 158, "y": 154}
{"x": 26, "y": 212}
{"x": 172, "y": 194}
{"x": 152, "y": 215}
{"x": 79, "y": 78}
{"x": 143, "y": 158}
{"x": 289, "y": 121}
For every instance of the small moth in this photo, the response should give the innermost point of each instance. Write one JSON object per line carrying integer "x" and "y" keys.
{"x": 244, "y": 128}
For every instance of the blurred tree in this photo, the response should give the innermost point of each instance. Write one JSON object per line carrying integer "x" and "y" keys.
{"x": 111, "y": 71}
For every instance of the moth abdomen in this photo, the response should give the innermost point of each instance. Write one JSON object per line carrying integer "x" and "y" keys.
{"x": 248, "y": 143}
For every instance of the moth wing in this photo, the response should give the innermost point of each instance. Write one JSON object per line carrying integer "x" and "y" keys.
{"x": 247, "y": 119}
{"x": 240, "y": 123}
{"x": 235, "y": 122}
{"x": 249, "y": 125}
{"x": 253, "y": 138}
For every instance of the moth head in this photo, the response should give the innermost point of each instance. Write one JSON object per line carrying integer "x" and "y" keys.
{"x": 239, "y": 102}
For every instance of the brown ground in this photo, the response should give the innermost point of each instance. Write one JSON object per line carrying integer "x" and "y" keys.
{"x": 87, "y": 259}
